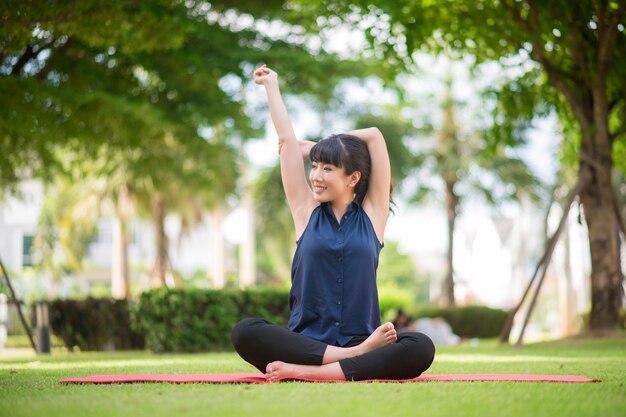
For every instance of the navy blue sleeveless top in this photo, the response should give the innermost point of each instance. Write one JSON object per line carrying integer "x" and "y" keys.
{"x": 333, "y": 277}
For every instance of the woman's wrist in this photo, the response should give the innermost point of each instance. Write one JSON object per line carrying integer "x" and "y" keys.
{"x": 270, "y": 82}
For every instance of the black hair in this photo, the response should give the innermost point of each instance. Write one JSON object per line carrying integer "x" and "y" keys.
{"x": 347, "y": 152}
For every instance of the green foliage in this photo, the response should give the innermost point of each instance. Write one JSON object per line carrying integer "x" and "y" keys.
{"x": 619, "y": 152}
{"x": 122, "y": 91}
{"x": 185, "y": 320}
{"x": 475, "y": 157}
{"x": 466, "y": 321}
{"x": 395, "y": 130}
{"x": 130, "y": 75}
{"x": 400, "y": 284}
{"x": 92, "y": 324}
{"x": 391, "y": 299}
{"x": 274, "y": 232}
{"x": 268, "y": 303}
{"x": 197, "y": 320}
{"x": 4, "y": 288}
{"x": 200, "y": 320}
{"x": 396, "y": 268}
{"x": 68, "y": 216}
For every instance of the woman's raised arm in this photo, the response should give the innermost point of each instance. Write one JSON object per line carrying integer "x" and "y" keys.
{"x": 299, "y": 195}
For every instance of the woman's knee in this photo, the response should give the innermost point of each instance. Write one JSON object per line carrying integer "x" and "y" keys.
{"x": 244, "y": 330}
{"x": 420, "y": 348}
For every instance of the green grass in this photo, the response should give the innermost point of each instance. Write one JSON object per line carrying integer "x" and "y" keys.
{"x": 29, "y": 386}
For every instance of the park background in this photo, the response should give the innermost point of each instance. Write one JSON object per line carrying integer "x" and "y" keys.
{"x": 141, "y": 205}
{"x": 137, "y": 154}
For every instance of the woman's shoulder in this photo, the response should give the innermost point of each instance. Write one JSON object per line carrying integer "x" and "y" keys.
{"x": 311, "y": 212}
{"x": 377, "y": 217}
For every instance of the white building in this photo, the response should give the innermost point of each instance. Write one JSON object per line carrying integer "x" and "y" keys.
{"x": 18, "y": 223}
{"x": 189, "y": 252}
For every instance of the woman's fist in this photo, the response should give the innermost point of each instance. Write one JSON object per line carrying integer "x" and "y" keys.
{"x": 264, "y": 74}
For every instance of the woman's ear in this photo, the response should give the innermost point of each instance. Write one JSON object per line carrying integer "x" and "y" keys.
{"x": 354, "y": 178}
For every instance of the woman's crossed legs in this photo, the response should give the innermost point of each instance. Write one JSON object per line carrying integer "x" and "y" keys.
{"x": 283, "y": 354}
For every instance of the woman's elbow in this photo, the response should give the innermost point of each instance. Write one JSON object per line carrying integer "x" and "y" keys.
{"x": 374, "y": 133}
{"x": 283, "y": 139}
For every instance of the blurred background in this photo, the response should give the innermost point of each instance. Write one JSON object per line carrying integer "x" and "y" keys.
{"x": 137, "y": 155}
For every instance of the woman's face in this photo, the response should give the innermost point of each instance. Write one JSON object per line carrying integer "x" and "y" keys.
{"x": 331, "y": 183}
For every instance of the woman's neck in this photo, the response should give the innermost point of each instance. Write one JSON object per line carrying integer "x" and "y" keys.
{"x": 340, "y": 207}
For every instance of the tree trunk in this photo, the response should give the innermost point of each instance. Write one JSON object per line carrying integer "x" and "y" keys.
{"x": 448, "y": 283}
{"x": 588, "y": 99}
{"x": 566, "y": 297}
{"x": 247, "y": 249}
{"x": 119, "y": 267}
{"x": 160, "y": 269}
{"x": 247, "y": 259}
{"x": 120, "y": 281}
{"x": 218, "y": 270}
{"x": 597, "y": 201}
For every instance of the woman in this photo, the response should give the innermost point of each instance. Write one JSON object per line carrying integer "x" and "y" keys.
{"x": 334, "y": 332}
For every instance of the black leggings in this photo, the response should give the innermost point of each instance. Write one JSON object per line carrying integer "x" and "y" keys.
{"x": 260, "y": 342}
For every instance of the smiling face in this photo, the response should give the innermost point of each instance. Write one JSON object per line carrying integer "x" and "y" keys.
{"x": 337, "y": 166}
{"x": 331, "y": 183}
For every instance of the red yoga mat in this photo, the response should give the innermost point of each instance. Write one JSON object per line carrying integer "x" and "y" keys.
{"x": 260, "y": 379}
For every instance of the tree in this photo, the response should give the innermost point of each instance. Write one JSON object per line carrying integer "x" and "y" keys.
{"x": 397, "y": 270}
{"x": 137, "y": 82}
{"x": 66, "y": 226}
{"x": 575, "y": 55}
{"x": 133, "y": 72}
{"x": 465, "y": 165}
{"x": 274, "y": 231}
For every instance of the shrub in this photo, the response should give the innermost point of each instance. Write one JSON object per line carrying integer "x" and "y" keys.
{"x": 93, "y": 324}
{"x": 185, "y": 320}
{"x": 198, "y": 320}
{"x": 391, "y": 299}
{"x": 467, "y": 321}
{"x": 268, "y": 303}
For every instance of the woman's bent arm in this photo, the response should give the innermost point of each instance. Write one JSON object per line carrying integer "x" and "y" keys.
{"x": 376, "y": 202}
{"x": 299, "y": 195}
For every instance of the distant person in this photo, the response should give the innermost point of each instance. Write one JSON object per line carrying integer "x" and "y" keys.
{"x": 334, "y": 332}
{"x": 403, "y": 322}
{"x": 438, "y": 330}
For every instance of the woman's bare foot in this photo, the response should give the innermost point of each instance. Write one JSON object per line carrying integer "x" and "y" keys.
{"x": 384, "y": 335}
{"x": 276, "y": 371}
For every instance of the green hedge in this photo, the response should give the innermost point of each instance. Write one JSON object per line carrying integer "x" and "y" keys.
{"x": 198, "y": 320}
{"x": 93, "y": 324}
{"x": 467, "y": 321}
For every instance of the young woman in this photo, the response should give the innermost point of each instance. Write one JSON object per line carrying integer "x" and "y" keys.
{"x": 334, "y": 332}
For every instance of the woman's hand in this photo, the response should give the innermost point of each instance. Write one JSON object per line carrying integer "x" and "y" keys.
{"x": 263, "y": 74}
{"x": 305, "y": 148}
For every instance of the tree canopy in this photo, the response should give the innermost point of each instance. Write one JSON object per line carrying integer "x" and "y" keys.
{"x": 146, "y": 96}
{"x": 569, "y": 58}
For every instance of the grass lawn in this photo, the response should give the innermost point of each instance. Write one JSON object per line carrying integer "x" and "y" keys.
{"x": 29, "y": 386}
